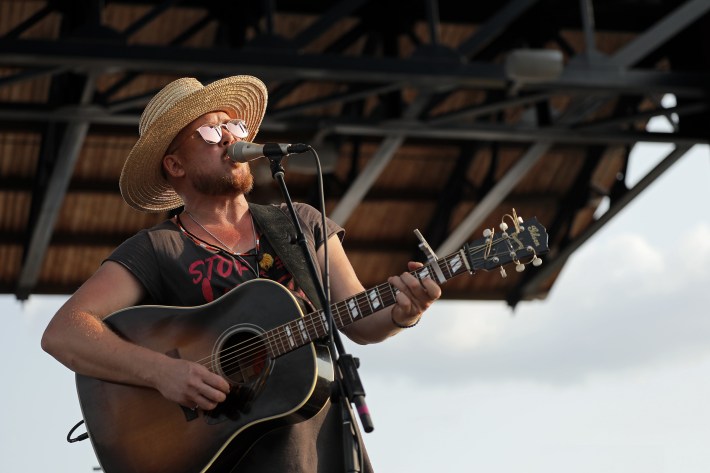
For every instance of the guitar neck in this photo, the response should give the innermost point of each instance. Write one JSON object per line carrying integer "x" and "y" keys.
{"x": 527, "y": 241}
{"x": 314, "y": 326}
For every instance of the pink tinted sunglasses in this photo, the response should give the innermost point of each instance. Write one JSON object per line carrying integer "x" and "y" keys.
{"x": 213, "y": 133}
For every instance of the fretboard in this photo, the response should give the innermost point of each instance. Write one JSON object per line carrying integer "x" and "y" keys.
{"x": 314, "y": 326}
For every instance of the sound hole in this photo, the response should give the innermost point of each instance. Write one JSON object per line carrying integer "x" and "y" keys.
{"x": 243, "y": 357}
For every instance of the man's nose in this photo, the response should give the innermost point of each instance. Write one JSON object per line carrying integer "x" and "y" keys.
{"x": 228, "y": 138}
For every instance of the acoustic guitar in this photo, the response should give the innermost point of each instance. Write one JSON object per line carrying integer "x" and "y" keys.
{"x": 257, "y": 337}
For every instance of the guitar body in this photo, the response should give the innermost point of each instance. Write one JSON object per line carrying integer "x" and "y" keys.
{"x": 135, "y": 429}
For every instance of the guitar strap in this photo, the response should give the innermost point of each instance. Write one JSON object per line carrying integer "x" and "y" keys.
{"x": 278, "y": 228}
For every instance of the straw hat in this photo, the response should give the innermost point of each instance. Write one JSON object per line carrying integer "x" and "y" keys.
{"x": 180, "y": 102}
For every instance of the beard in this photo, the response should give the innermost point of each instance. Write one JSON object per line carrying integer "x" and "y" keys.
{"x": 224, "y": 184}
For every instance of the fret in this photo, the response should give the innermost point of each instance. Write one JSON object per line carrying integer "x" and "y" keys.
{"x": 386, "y": 298}
{"x": 339, "y": 319}
{"x": 345, "y": 318}
{"x": 309, "y": 324}
{"x": 394, "y": 292}
{"x": 363, "y": 304}
{"x": 305, "y": 336}
{"x": 289, "y": 335}
{"x": 313, "y": 331}
{"x": 462, "y": 256}
{"x": 423, "y": 273}
{"x": 353, "y": 309}
{"x": 446, "y": 268}
{"x": 374, "y": 298}
{"x": 302, "y": 331}
{"x": 282, "y": 339}
{"x": 456, "y": 264}
{"x": 273, "y": 336}
{"x": 269, "y": 344}
{"x": 278, "y": 341}
{"x": 321, "y": 317}
{"x": 440, "y": 278}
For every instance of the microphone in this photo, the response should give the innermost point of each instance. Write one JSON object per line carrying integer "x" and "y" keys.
{"x": 243, "y": 151}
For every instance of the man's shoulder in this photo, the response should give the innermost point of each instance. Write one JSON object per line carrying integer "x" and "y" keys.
{"x": 162, "y": 230}
{"x": 165, "y": 226}
{"x": 301, "y": 208}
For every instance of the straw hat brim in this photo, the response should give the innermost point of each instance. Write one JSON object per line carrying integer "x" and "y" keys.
{"x": 142, "y": 183}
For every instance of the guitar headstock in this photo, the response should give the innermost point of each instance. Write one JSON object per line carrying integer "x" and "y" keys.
{"x": 522, "y": 244}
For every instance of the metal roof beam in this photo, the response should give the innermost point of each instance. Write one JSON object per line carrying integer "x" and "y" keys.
{"x": 634, "y": 51}
{"x": 326, "y": 21}
{"x": 494, "y": 27}
{"x": 587, "y": 10}
{"x": 491, "y": 107}
{"x": 493, "y": 198}
{"x": 30, "y": 22}
{"x": 356, "y": 93}
{"x": 148, "y": 17}
{"x": 31, "y": 73}
{"x": 130, "y": 76}
{"x": 273, "y": 64}
{"x": 412, "y": 128}
{"x": 555, "y": 263}
{"x": 366, "y": 178}
{"x": 453, "y": 195}
{"x": 265, "y": 63}
{"x": 680, "y": 110}
{"x": 492, "y": 132}
{"x": 38, "y": 244}
{"x": 661, "y": 32}
{"x": 384, "y": 154}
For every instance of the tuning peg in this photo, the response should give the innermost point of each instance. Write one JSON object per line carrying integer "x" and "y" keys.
{"x": 520, "y": 219}
{"x": 503, "y": 273}
{"x": 503, "y": 226}
{"x": 487, "y": 233}
{"x": 537, "y": 261}
{"x": 520, "y": 267}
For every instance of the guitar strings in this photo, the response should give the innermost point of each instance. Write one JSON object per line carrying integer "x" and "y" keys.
{"x": 310, "y": 325}
{"x": 256, "y": 350}
{"x": 277, "y": 337}
{"x": 310, "y": 320}
{"x": 238, "y": 352}
{"x": 253, "y": 347}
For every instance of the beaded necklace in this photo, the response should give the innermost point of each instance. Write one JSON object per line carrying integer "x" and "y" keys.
{"x": 224, "y": 248}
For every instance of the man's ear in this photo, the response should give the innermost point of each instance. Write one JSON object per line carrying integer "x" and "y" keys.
{"x": 173, "y": 166}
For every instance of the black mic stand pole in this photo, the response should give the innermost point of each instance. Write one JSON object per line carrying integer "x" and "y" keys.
{"x": 350, "y": 387}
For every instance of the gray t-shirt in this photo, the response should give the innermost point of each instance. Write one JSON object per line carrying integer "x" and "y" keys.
{"x": 178, "y": 269}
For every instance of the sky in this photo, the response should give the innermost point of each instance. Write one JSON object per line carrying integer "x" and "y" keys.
{"x": 608, "y": 374}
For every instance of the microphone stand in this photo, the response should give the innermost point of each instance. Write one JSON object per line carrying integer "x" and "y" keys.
{"x": 349, "y": 386}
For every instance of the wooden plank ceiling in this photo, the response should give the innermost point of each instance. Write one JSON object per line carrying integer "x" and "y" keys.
{"x": 438, "y": 115}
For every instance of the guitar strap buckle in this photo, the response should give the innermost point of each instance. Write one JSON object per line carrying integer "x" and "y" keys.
{"x": 430, "y": 256}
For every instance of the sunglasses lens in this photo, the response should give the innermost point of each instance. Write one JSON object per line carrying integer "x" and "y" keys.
{"x": 213, "y": 133}
{"x": 210, "y": 133}
{"x": 237, "y": 128}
